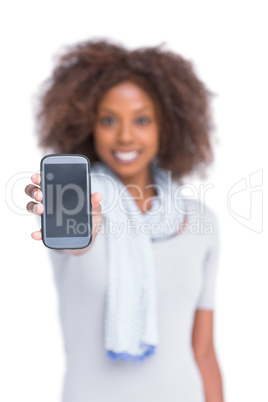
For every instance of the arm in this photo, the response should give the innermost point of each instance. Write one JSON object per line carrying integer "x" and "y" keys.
{"x": 204, "y": 353}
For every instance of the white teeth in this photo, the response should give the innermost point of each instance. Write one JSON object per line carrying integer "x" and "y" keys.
{"x": 126, "y": 156}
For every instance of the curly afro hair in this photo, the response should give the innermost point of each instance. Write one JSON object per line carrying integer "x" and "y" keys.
{"x": 84, "y": 72}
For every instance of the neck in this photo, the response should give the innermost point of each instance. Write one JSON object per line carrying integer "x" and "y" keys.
{"x": 138, "y": 187}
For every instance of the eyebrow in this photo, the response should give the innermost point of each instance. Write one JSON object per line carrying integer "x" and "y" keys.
{"x": 135, "y": 111}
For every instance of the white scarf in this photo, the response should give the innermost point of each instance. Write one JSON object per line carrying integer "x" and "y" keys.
{"x": 131, "y": 312}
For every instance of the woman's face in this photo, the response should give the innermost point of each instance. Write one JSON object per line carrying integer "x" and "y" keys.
{"x": 126, "y": 133}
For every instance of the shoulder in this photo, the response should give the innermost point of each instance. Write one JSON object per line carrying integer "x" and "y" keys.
{"x": 199, "y": 209}
{"x": 201, "y": 218}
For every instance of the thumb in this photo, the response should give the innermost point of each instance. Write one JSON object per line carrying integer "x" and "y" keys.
{"x": 96, "y": 199}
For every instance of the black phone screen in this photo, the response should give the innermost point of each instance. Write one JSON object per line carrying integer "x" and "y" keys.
{"x": 66, "y": 200}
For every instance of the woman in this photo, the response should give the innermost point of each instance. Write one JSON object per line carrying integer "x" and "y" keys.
{"x": 134, "y": 113}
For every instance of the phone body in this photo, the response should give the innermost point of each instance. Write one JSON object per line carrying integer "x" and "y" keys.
{"x": 66, "y": 222}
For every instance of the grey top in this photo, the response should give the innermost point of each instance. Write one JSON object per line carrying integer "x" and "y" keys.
{"x": 186, "y": 272}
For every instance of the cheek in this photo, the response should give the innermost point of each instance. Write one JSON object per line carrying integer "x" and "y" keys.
{"x": 154, "y": 142}
{"x": 101, "y": 140}
{"x": 150, "y": 135}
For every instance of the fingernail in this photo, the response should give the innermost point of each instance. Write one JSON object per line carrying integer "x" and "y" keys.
{"x": 34, "y": 194}
{"x": 34, "y": 209}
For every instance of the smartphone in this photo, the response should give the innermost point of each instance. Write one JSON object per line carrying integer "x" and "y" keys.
{"x": 66, "y": 222}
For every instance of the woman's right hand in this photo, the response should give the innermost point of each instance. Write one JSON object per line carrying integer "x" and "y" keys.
{"x": 34, "y": 191}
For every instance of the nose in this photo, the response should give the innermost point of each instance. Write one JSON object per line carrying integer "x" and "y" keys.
{"x": 125, "y": 132}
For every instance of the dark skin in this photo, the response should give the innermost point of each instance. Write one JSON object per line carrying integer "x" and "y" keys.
{"x": 127, "y": 121}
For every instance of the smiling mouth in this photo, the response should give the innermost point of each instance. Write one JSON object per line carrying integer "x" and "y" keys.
{"x": 126, "y": 157}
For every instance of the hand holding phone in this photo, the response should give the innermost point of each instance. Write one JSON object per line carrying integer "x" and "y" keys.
{"x": 67, "y": 237}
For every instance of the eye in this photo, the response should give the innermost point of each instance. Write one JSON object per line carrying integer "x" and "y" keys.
{"x": 143, "y": 120}
{"x": 107, "y": 120}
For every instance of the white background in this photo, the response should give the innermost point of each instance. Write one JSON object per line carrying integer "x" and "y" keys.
{"x": 227, "y": 41}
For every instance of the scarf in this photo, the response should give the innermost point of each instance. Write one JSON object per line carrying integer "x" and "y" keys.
{"x": 131, "y": 319}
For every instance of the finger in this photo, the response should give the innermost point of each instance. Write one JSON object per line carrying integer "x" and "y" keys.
{"x": 37, "y": 235}
{"x": 35, "y": 208}
{"x": 32, "y": 191}
{"x": 36, "y": 178}
{"x": 95, "y": 199}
